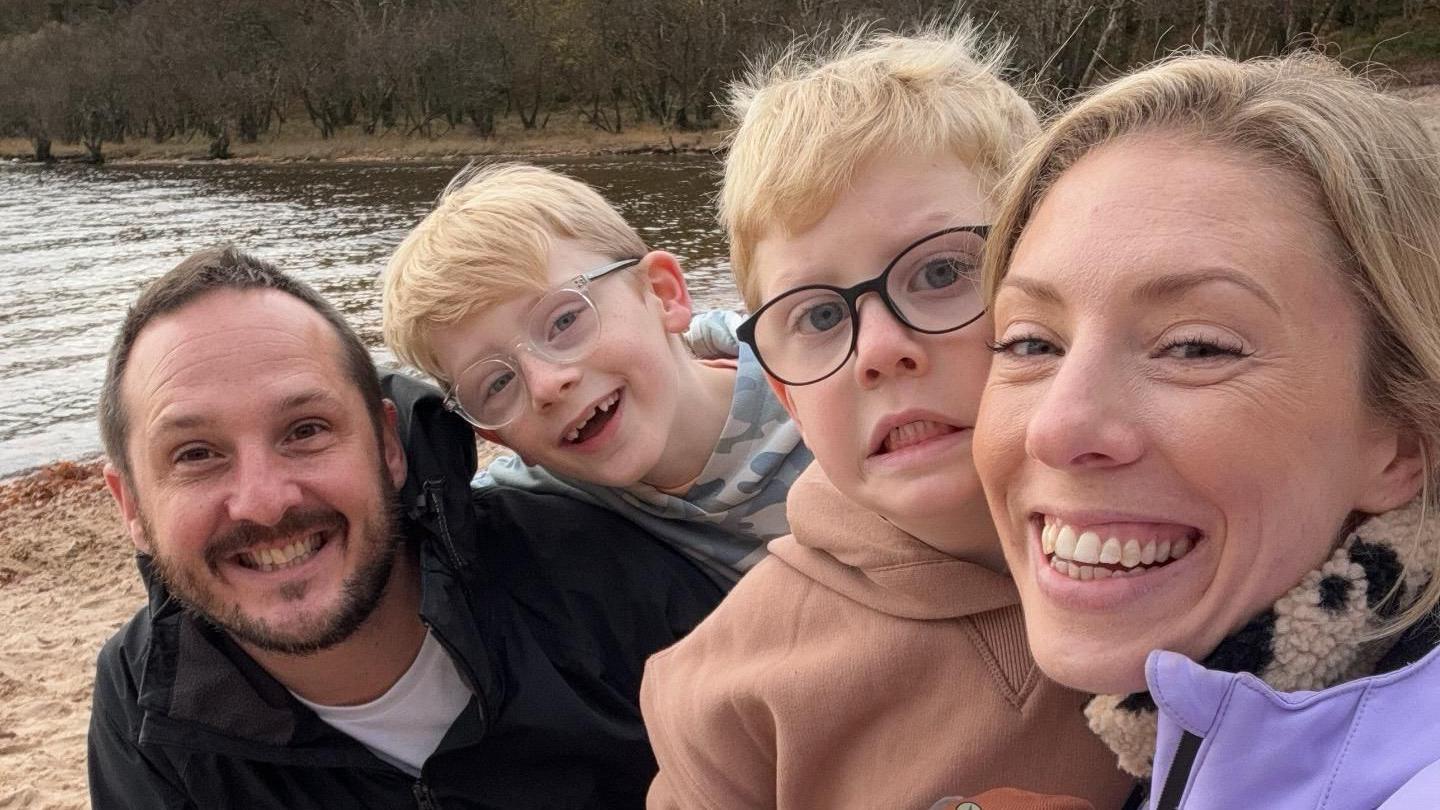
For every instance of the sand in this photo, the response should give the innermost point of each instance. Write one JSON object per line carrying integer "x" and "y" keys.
{"x": 67, "y": 582}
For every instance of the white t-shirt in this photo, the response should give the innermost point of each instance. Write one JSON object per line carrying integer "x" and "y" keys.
{"x": 404, "y": 726}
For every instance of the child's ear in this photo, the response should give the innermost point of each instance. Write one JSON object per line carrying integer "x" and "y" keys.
{"x": 666, "y": 282}
{"x": 782, "y": 393}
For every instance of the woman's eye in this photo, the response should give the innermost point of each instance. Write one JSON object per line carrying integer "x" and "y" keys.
{"x": 1025, "y": 347}
{"x": 1198, "y": 349}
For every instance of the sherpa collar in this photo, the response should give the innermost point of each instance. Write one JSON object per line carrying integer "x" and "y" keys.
{"x": 1313, "y": 636}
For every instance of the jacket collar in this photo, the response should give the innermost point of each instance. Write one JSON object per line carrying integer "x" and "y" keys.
{"x": 1317, "y": 635}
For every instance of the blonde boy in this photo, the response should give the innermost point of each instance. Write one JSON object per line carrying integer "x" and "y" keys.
{"x": 877, "y": 658}
{"x": 557, "y": 333}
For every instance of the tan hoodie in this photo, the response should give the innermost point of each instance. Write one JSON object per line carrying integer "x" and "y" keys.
{"x": 858, "y": 667}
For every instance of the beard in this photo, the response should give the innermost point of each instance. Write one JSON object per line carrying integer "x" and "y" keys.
{"x": 360, "y": 592}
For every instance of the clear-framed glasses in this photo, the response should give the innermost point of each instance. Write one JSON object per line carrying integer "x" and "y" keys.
{"x": 563, "y": 327}
{"x": 806, "y": 334}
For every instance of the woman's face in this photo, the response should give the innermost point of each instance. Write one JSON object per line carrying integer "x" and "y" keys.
{"x": 1174, "y": 431}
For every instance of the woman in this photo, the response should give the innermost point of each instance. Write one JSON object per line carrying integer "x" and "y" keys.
{"x": 1211, "y": 423}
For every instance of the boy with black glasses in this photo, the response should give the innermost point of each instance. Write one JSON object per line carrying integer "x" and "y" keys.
{"x": 877, "y": 658}
{"x": 556, "y": 332}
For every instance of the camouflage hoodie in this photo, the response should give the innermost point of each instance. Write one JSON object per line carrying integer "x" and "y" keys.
{"x": 736, "y": 504}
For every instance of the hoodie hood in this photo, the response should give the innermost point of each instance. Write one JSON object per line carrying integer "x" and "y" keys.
{"x": 864, "y": 557}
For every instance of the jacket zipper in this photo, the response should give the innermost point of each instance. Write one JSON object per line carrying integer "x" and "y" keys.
{"x": 434, "y": 500}
{"x": 1179, "y": 775}
{"x": 423, "y": 799}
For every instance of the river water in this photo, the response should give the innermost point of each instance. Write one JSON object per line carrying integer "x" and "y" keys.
{"x": 78, "y": 243}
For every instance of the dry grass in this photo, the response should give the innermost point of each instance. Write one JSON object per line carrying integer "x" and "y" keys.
{"x": 298, "y": 141}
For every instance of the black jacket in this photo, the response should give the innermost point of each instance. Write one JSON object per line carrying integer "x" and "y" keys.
{"x": 549, "y": 607}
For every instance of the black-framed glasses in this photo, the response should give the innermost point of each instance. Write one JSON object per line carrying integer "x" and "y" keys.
{"x": 563, "y": 327}
{"x": 807, "y": 334}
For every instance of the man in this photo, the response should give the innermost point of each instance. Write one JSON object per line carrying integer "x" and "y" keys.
{"x": 331, "y": 623}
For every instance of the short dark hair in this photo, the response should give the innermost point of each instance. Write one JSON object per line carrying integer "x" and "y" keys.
{"x": 213, "y": 269}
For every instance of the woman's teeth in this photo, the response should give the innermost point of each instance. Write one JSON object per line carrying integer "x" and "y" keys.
{"x": 1084, "y": 555}
{"x": 275, "y": 559}
{"x": 603, "y": 406}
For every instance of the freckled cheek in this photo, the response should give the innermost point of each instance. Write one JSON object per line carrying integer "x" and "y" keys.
{"x": 832, "y": 427}
{"x": 1000, "y": 435}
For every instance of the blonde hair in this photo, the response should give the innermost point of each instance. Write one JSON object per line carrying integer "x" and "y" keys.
{"x": 488, "y": 240}
{"x": 1367, "y": 158}
{"x": 811, "y": 118}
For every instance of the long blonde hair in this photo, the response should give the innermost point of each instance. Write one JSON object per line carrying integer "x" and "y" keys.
{"x": 1367, "y": 157}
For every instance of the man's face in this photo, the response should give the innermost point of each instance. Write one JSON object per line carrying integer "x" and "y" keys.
{"x": 258, "y": 483}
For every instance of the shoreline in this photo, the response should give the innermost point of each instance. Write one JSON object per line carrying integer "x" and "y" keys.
{"x": 356, "y": 147}
{"x": 561, "y": 139}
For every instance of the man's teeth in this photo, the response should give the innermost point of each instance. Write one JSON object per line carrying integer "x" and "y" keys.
{"x": 1080, "y": 554}
{"x": 274, "y": 559}
{"x": 603, "y": 405}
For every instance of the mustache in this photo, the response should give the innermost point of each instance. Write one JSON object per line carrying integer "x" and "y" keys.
{"x": 245, "y": 534}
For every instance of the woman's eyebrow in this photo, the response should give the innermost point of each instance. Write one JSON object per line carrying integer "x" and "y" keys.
{"x": 1161, "y": 288}
{"x": 1174, "y": 285}
{"x": 1042, "y": 291}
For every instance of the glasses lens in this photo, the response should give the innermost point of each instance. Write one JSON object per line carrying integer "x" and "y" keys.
{"x": 563, "y": 326}
{"x": 491, "y": 392}
{"x": 804, "y": 335}
{"x": 936, "y": 284}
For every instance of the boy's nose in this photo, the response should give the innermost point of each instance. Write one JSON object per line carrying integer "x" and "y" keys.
{"x": 885, "y": 347}
{"x": 548, "y": 382}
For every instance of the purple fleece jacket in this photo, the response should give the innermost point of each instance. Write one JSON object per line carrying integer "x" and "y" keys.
{"x": 1368, "y": 743}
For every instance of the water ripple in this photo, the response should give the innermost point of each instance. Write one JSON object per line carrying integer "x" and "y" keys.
{"x": 78, "y": 243}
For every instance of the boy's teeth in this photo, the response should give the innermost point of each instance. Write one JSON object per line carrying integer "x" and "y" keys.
{"x": 1083, "y": 555}
{"x": 913, "y": 433}
{"x": 603, "y": 405}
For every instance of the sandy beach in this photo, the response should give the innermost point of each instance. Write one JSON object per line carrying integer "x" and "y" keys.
{"x": 67, "y": 582}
